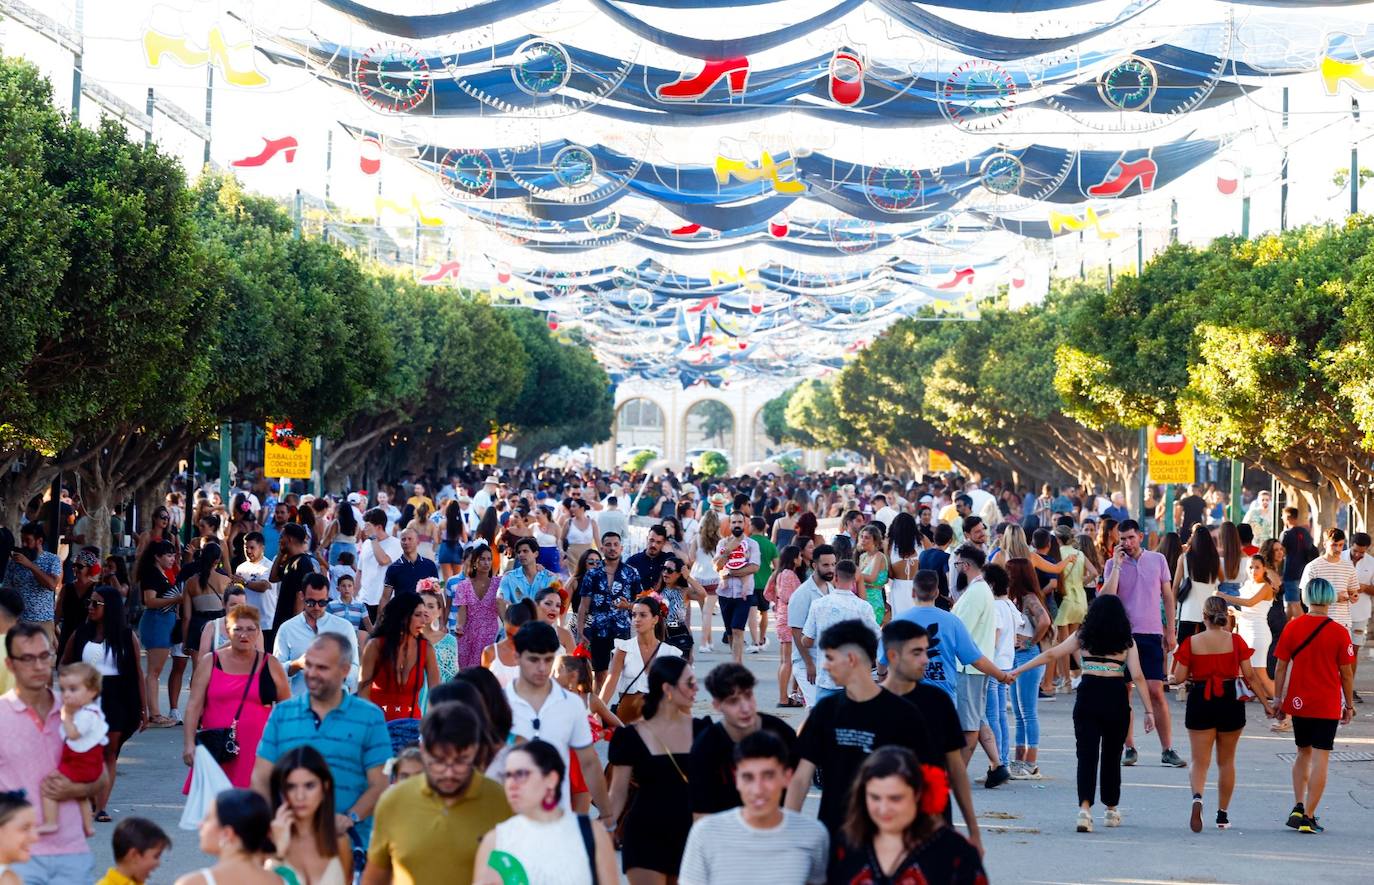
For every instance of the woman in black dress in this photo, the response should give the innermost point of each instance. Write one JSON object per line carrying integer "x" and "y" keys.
{"x": 107, "y": 642}
{"x": 654, "y": 753}
{"x": 896, "y": 832}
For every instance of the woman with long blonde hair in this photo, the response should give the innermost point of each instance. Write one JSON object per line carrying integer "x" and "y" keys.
{"x": 704, "y": 570}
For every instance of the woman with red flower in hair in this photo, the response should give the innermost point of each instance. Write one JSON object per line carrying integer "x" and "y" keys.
{"x": 628, "y": 683}
{"x": 896, "y": 832}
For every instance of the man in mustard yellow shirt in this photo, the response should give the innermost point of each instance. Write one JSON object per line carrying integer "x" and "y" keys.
{"x": 427, "y": 829}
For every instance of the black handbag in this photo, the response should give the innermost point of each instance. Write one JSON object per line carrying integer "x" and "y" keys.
{"x": 223, "y": 743}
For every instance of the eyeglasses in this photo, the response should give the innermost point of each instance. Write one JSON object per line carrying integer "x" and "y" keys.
{"x": 454, "y": 765}
{"x": 316, "y": 603}
{"x": 94, "y": 602}
{"x": 43, "y": 659}
{"x": 517, "y": 775}
{"x": 247, "y": 628}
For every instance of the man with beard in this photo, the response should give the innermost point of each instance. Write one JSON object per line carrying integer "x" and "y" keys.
{"x": 428, "y": 828}
{"x": 348, "y": 731}
{"x": 812, "y": 589}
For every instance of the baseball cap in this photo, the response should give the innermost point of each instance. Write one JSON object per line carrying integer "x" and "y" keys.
{"x": 355, "y": 498}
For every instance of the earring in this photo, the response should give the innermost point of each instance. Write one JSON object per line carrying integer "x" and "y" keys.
{"x": 550, "y": 800}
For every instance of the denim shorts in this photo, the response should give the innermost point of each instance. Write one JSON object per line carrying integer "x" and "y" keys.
{"x": 342, "y": 547}
{"x": 734, "y": 613}
{"x": 56, "y": 869}
{"x": 973, "y": 700}
{"x": 449, "y": 553}
{"x": 155, "y": 627}
{"x": 1291, "y": 593}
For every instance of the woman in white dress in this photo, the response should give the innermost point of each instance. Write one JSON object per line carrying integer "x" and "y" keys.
{"x": 902, "y": 567}
{"x": 704, "y": 570}
{"x": 547, "y": 843}
{"x": 628, "y": 682}
{"x": 303, "y": 829}
{"x": 1252, "y": 619}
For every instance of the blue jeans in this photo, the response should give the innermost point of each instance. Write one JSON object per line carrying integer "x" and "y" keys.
{"x": 822, "y": 693}
{"x": 1025, "y": 698}
{"x": 997, "y": 716}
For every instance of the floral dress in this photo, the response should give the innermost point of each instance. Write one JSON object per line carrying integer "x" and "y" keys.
{"x": 483, "y": 621}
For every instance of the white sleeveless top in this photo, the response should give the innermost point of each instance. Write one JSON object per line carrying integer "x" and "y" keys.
{"x": 505, "y": 674}
{"x": 1191, "y": 608}
{"x": 552, "y": 853}
{"x": 543, "y": 539}
{"x": 102, "y": 659}
{"x": 704, "y": 568}
{"x": 577, "y": 536}
{"x": 1257, "y": 613}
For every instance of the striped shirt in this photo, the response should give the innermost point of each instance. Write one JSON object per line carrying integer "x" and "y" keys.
{"x": 796, "y": 850}
{"x": 352, "y": 737}
{"x": 1341, "y": 574}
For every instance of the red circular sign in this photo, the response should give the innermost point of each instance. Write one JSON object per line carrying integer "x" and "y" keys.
{"x": 1170, "y": 442}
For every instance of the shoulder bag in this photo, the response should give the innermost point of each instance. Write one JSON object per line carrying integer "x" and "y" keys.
{"x": 1288, "y": 675}
{"x": 223, "y": 743}
{"x": 630, "y": 707}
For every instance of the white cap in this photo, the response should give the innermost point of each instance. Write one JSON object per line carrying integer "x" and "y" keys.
{"x": 355, "y": 498}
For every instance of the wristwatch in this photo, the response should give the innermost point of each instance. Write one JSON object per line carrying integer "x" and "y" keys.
{"x": 353, "y": 816}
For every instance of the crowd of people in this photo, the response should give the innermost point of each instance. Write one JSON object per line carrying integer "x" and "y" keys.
{"x": 394, "y": 686}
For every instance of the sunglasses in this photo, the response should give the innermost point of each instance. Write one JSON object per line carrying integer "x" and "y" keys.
{"x": 316, "y": 603}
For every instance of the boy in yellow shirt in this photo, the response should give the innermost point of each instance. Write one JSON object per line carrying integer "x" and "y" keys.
{"x": 138, "y": 847}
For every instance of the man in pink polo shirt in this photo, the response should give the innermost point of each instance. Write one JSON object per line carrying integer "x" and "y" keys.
{"x": 1141, "y": 578}
{"x": 30, "y": 719}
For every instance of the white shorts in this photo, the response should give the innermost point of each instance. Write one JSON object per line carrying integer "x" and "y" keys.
{"x": 808, "y": 689}
{"x": 178, "y": 652}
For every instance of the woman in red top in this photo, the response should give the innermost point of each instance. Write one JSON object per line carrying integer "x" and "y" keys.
{"x": 1210, "y": 662}
{"x": 1318, "y": 694}
{"x": 397, "y": 660}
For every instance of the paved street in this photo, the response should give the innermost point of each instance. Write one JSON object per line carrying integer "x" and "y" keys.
{"x": 1029, "y": 826}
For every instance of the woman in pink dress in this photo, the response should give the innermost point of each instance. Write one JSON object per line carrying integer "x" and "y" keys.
{"x": 235, "y": 686}
{"x": 785, "y": 581}
{"x": 474, "y": 591}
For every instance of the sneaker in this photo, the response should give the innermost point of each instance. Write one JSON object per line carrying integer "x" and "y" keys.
{"x": 1310, "y": 825}
{"x": 1195, "y": 820}
{"x": 1112, "y": 818}
{"x": 705, "y": 648}
{"x": 1130, "y": 756}
{"x": 753, "y": 649}
{"x": 1073, "y": 683}
{"x": 1025, "y": 771}
{"x": 1223, "y": 820}
{"x": 1358, "y": 699}
{"x": 996, "y": 777}
{"x": 1296, "y": 816}
{"x": 1169, "y": 757}
{"x": 1046, "y": 696}
{"x": 1285, "y": 725}
{"x": 1085, "y": 820}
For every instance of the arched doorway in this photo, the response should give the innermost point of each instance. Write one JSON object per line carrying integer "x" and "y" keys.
{"x": 639, "y": 426}
{"x": 709, "y": 425}
{"x": 764, "y": 445}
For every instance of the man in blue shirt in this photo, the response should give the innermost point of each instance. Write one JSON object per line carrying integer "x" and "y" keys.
{"x": 348, "y": 731}
{"x": 951, "y": 644}
{"x": 403, "y": 574}
{"x": 527, "y": 578}
{"x": 608, "y": 594}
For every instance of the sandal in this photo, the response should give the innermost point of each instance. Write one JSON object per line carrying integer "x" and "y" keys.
{"x": 102, "y": 817}
{"x": 161, "y": 721}
{"x": 791, "y": 702}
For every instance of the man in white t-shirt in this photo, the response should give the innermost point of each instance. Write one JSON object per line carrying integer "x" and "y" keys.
{"x": 254, "y": 571}
{"x": 1337, "y": 569}
{"x": 486, "y": 495}
{"x": 377, "y": 550}
{"x": 1363, "y": 606}
{"x": 839, "y": 605}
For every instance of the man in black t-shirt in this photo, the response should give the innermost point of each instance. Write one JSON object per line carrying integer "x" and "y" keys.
{"x": 907, "y": 645}
{"x": 1190, "y": 510}
{"x": 649, "y": 561}
{"x": 289, "y": 569}
{"x": 843, "y": 729}
{"x": 1298, "y": 551}
{"x": 711, "y": 769}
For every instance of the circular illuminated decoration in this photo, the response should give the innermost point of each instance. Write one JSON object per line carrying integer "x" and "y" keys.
{"x": 853, "y": 236}
{"x": 810, "y": 311}
{"x": 541, "y": 67}
{"x": 639, "y": 300}
{"x": 1130, "y": 86}
{"x": 574, "y": 166}
{"x": 466, "y": 173}
{"x": 861, "y": 305}
{"x": 977, "y": 95}
{"x": 1002, "y": 173}
{"x": 893, "y": 190}
{"x": 392, "y": 77}
{"x": 603, "y": 224}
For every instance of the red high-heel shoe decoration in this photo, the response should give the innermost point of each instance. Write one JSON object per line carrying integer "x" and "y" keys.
{"x": 1143, "y": 169}
{"x": 693, "y": 88}
{"x": 846, "y": 78}
{"x": 685, "y": 231}
{"x": 962, "y": 275}
{"x": 270, "y": 149}
{"x": 710, "y": 302}
{"x": 446, "y": 269}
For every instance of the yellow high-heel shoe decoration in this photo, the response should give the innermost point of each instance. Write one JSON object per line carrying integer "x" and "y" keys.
{"x": 415, "y": 208}
{"x": 1061, "y": 221}
{"x": 157, "y": 44}
{"x": 1334, "y": 70}
{"x": 728, "y": 167}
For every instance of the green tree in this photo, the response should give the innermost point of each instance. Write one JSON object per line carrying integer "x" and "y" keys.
{"x": 640, "y": 460}
{"x": 716, "y": 420}
{"x": 814, "y": 419}
{"x": 712, "y": 464}
{"x": 775, "y": 416}
{"x": 566, "y": 398}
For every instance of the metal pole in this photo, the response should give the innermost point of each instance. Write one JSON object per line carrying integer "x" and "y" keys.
{"x": 148, "y": 134}
{"x": 226, "y": 443}
{"x": 1139, "y": 249}
{"x": 1237, "y": 487}
{"x": 1169, "y": 508}
{"x": 1245, "y": 207}
{"x": 209, "y": 109}
{"x": 319, "y": 473}
{"x": 1274, "y": 505}
{"x": 77, "y": 60}
{"x": 1355, "y": 163}
{"x": 297, "y": 211}
{"x": 54, "y": 532}
{"x": 1283, "y": 171}
{"x": 1144, "y": 471}
{"x": 328, "y": 160}
{"x": 1173, "y": 221}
